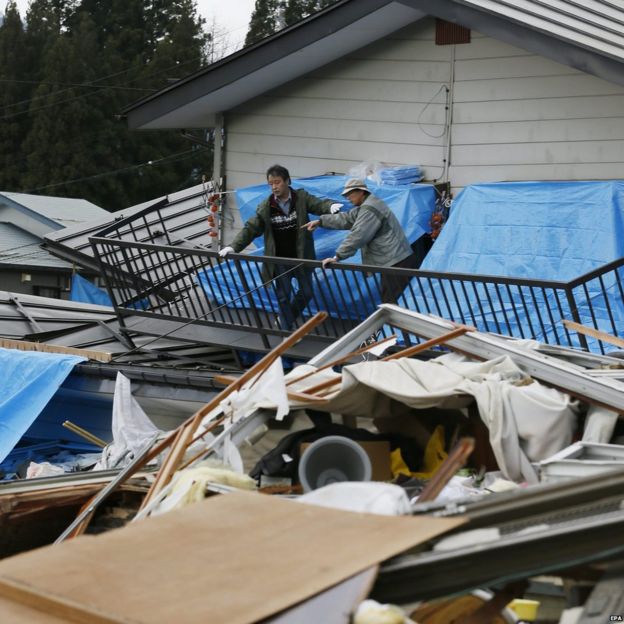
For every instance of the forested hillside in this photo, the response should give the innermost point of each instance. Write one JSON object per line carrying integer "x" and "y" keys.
{"x": 67, "y": 69}
{"x": 269, "y": 16}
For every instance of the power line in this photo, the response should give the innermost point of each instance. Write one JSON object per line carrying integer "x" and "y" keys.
{"x": 73, "y": 84}
{"x": 38, "y": 97}
{"x": 149, "y": 163}
{"x": 222, "y": 36}
{"x": 83, "y": 95}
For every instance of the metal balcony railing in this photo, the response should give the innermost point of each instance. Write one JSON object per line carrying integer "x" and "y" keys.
{"x": 191, "y": 284}
{"x": 154, "y": 268}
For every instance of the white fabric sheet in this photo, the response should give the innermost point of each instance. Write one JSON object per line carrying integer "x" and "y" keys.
{"x": 527, "y": 422}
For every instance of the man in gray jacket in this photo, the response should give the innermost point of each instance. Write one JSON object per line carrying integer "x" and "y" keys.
{"x": 376, "y": 231}
{"x": 281, "y": 220}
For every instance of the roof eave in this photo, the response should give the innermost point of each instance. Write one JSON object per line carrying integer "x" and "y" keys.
{"x": 306, "y": 46}
{"x": 539, "y": 42}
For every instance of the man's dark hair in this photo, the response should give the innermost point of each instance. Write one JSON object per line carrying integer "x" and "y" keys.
{"x": 277, "y": 171}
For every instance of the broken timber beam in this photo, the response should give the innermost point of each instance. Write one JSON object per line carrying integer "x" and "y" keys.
{"x": 226, "y": 380}
{"x": 42, "y": 347}
{"x": 185, "y": 432}
{"x": 594, "y": 333}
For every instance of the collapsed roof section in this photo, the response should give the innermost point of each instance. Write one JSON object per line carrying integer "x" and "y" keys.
{"x": 181, "y": 220}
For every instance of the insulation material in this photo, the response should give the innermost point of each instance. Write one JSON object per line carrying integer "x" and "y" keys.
{"x": 132, "y": 428}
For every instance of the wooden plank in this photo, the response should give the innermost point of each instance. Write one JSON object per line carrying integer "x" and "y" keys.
{"x": 528, "y": 66}
{"x": 263, "y": 555}
{"x": 539, "y": 153}
{"x": 64, "y": 607}
{"x": 407, "y": 352}
{"x": 187, "y": 430}
{"x": 343, "y": 129}
{"x": 462, "y": 176}
{"x": 507, "y": 89}
{"x": 586, "y": 107}
{"x": 226, "y": 380}
{"x": 381, "y": 69}
{"x": 594, "y": 333}
{"x": 455, "y": 461}
{"x": 525, "y": 131}
{"x": 362, "y": 110}
{"x": 22, "y": 345}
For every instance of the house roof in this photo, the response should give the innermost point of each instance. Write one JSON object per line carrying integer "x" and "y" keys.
{"x": 183, "y": 214}
{"x": 584, "y": 34}
{"x": 21, "y": 248}
{"x": 62, "y": 211}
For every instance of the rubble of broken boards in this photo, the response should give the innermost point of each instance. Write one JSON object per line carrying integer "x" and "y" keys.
{"x": 445, "y": 479}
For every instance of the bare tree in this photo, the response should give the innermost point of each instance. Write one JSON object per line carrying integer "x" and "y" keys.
{"x": 218, "y": 44}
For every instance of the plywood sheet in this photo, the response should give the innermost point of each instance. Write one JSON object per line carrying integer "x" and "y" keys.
{"x": 235, "y": 558}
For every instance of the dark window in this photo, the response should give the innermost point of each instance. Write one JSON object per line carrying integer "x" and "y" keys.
{"x": 47, "y": 291}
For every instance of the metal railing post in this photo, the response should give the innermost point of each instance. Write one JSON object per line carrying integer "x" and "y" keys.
{"x": 252, "y": 304}
{"x": 576, "y": 317}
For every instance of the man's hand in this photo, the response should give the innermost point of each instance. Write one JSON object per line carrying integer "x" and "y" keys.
{"x": 334, "y": 208}
{"x": 311, "y": 225}
{"x": 329, "y": 261}
{"x": 225, "y": 251}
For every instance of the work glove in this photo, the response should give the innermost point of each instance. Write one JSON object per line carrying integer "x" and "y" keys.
{"x": 225, "y": 251}
{"x": 334, "y": 208}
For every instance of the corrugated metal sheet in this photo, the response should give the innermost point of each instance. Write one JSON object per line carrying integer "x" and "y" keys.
{"x": 596, "y": 25}
{"x": 18, "y": 247}
{"x": 183, "y": 216}
{"x": 63, "y": 210}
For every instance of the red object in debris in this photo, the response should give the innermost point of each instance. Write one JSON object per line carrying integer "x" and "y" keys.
{"x": 437, "y": 221}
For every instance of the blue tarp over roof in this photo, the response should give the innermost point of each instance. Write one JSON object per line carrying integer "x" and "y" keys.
{"x": 412, "y": 204}
{"x": 543, "y": 230}
{"x": 84, "y": 291}
{"x": 28, "y": 380}
{"x": 550, "y": 231}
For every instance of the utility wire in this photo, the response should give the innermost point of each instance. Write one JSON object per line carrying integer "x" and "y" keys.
{"x": 149, "y": 163}
{"x": 72, "y": 84}
{"x": 83, "y": 95}
{"x": 220, "y": 37}
{"x": 95, "y": 80}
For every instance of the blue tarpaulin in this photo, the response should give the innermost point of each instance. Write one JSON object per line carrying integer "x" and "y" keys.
{"x": 28, "y": 380}
{"x": 553, "y": 231}
{"x": 543, "y": 230}
{"x": 412, "y": 204}
{"x": 86, "y": 292}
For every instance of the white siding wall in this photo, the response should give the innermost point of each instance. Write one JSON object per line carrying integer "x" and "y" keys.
{"x": 516, "y": 116}
{"x": 381, "y": 103}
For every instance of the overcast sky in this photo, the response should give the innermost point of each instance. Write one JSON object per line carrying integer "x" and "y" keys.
{"x": 231, "y": 16}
